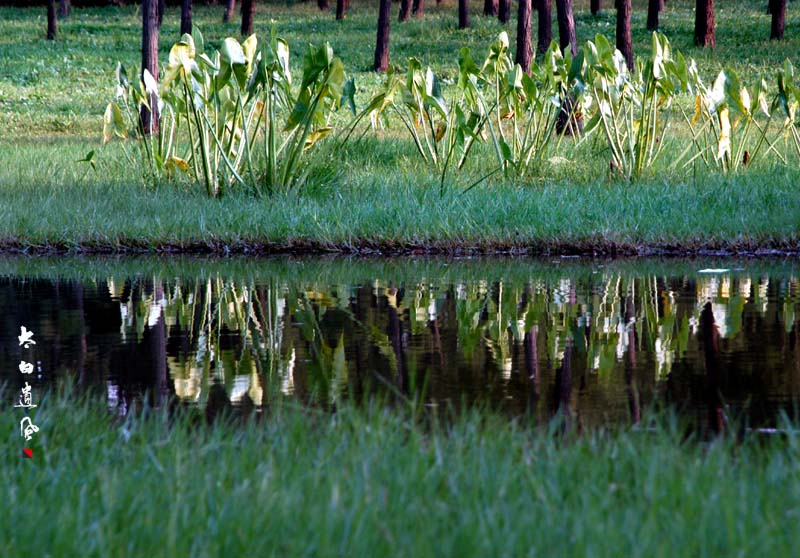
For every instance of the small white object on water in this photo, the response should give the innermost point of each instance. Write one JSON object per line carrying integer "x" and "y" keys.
{"x": 713, "y": 270}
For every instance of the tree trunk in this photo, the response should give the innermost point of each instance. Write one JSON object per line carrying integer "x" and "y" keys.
{"x": 63, "y": 8}
{"x": 186, "y": 17}
{"x": 150, "y": 61}
{"x": 545, "y": 25}
{"x": 596, "y": 6}
{"x": 624, "y": 44}
{"x": 382, "y": 42}
{"x": 778, "y": 19}
{"x": 248, "y": 14}
{"x": 52, "y": 26}
{"x": 652, "y": 14}
{"x": 230, "y": 5}
{"x": 566, "y": 26}
{"x": 704, "y": 24}
{"x": 405, "y": 10}
{"x": 323, "y": 5}
{"x": 634, "y": 403}
{"x": 463, "y": 14}
{"x": 161, "y": 7}
{"x": 341, "y": 9}
{"x": 490, "y": 7}
{"x": 524, "y": 50}
{"x": 504, "y": 11}
{"x": 418, "y": 8}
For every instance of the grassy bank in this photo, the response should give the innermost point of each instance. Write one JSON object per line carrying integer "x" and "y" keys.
{"x": 375, "y": 482}
{"x": 374, "y": 196}
{"x": 55, "y": 208}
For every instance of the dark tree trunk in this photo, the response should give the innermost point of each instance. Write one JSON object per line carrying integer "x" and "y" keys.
{"x": 323, "y": 5}
{"x": 230, "y": 5}
{"x": 652, "y": 14}
{"x": 490, "y": 7}
{"x": 382, "y": 42}
{"x": 545, "y": 25}
{"x": 596, "y": 6}
{"x": 186, "y": 17}
{"x": 704, "y": 24}
{"x": 63, "y": 8}
{"x": 150, "y": 61}
{"x": 624, "y": 44}
{"x": 405, "y": 10}
{"x": 52, "y": 26}
{"x": 248, "y": 14}
{"x": 566, "y": 26}
{"x": 162, "y": 5}
{"x": 341, "y": 9}
{"x": 418, "y": 8}
{"x": 524, "y": 49}
{"x": 778, "y": 19}
{"x": 630, "y": 361}
{"x": 504, "y": 11}
{"x": 463, "y": 14}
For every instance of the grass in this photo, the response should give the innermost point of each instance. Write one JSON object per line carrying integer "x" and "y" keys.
{"x": 374, "y": 481}
{"x": 377, "y": 197}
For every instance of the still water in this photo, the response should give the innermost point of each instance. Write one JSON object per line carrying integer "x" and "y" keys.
{"x": 594, "y": 341}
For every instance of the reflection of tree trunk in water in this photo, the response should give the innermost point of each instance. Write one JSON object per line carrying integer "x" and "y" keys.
{"x": 532, "y": 367}
{"x": 81, "y": 363}
{"x": 630, "y": 360}
{"x": 395, "y": 333}
{"x": 710, "y": 335}
{"x": 158, "y": 349}
{"x": 564, "y": 384}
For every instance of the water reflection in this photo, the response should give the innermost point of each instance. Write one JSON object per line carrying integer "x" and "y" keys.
{"x": 593, "y": 344}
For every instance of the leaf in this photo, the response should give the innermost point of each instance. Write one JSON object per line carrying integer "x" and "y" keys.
{"x": 231, "y": 53}
{"x": 349, "y": 94}
{"x": 150, "y": 83}
{"x": 113, "y": 123}
{"x": 122, "y": 76}
{"x": 89, "y": 158}
{"x": 724, "y": 142}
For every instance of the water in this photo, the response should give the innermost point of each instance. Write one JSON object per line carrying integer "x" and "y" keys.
{"x": 597, "y": 342}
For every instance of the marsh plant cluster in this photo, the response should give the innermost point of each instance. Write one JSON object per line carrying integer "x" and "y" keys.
{"x": 235, "y": 118}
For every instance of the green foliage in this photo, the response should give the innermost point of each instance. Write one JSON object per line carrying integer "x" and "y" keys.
{"x": 231, "y": 117}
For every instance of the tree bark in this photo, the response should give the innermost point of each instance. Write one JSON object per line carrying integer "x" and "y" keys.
{"x": 566, "y": 26}
{"x": 418, "y": 8}
{"x": 653, "y": 7}
{"x": 490, "y": 7}
{"x": 596, "y": 6}
{"x": 524, "y": 49}
{"x": 341, "y": 9}
{"x": 778, "y": 19}
{"x": 248, "y": 14}
{"x": 382, "y": 41}
{"x": 545, "y": 25}
{"x": 704, "y": 24}
{"x": 186, "y": 17}
{"x": 624, "y": 44}
{"x": 52, "y": 26}
{"x": 230, "y": 5}
{"x": 323, "y": 5}
{"x": 463, "y": 14}
{"x": 405, "y": 10}
{"x": 63, "y": 8}
{"x": 504, "y": 11}
{"x": 150, "y": 117}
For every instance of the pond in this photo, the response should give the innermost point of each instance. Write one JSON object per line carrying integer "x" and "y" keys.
{"x": 597, "y": 342}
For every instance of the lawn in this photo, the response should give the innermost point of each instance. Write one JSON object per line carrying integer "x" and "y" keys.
{"x": 373, "y": 481}
{"x": 377, "y": 196}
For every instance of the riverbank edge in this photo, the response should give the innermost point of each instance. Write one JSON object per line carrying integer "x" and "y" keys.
{"x": 389, "y": 248}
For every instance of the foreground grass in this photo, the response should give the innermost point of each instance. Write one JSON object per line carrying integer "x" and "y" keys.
{"x": 373, "y": 482}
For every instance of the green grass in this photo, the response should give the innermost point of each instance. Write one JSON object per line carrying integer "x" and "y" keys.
{"x": 377, "y": 195}
{"x": 377, "y": 482}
